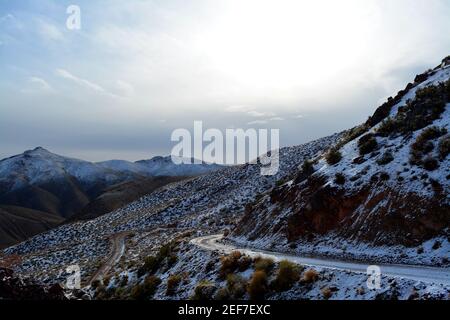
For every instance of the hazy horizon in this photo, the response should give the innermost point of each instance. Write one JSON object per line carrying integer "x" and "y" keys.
{"x": 137, "y": 70}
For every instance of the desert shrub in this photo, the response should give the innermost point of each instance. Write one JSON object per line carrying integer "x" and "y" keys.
{"x": 444, "y": 147}
{"x": 326, "y": 293}
{"x": 236, "y": 286}
{"x": 384, "y": 176}
{"x": 367, "y": 144}
{"x": 204, "y": 291}
{"x": 172, "y": 284}
{"x": 264, "y": 264}
{"x": 387, "y": 127}
{"x": 288, "y": 274}
{"x": 147, "y": 289}
{"x": 258, "y": 286}
{"x": 151, "y": 265}
{"x": 430, "y": 164}
{"x": 307, "y": 169}
{"x": 310, "y": 276}
{"x": 222, "y": 295}
{"x": 427, "y": 106}
{"x": 339, "y": 179}
{"x": 244, "y": 263}
{"x": 386, "y": 158}
{"x": 229, "y": 264}
{"x": 333, "y": 156}
{"x": 431, "y": 133}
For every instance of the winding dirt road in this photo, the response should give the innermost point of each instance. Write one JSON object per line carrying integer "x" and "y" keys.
{"x": 117, "y": 251}
{"x": 417, "y": 273}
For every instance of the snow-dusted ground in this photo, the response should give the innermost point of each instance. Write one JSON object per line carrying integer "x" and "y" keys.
{"x": 207, "y": 203}
{"x": 439, "y": 276}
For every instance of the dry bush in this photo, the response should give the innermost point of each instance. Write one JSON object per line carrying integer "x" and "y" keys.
{"x": 333, "y": 156}
{"x": 326, "y": 293}
{"x": 236, "y": 286}
{"x": 204, "y": 291}
{"x": 258, "y": 287}
{"x": 229, "y": 264}
{"x": 288, "y": 274}
{"x": 264, "y": 264}
{"x": 310, "y": 276}
{"x": 172, "y": 284}
{"x": 146, "y": 290}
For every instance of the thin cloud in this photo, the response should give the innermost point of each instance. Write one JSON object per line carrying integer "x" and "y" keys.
{"x": 41, "y": 83}
{"x": 257, "y": 122}
{"x": 276, "y": 119}
{"x": 80, "y": 81}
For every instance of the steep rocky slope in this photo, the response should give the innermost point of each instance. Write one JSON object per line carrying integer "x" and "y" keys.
{"x": 385, "y": 184}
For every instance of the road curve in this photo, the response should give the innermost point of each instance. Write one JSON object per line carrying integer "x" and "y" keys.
{"x": 417, "y": 273}
{"x": 117, "y": 251}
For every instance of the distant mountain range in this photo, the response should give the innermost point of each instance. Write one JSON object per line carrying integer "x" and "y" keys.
{"x": 40, "y": 189}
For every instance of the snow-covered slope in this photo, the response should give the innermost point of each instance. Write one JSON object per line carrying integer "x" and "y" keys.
{"x": 209, "y": 203}
{"x": 385, "y": 185}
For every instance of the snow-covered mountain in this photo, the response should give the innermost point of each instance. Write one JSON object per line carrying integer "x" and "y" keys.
{"x": 39, "y": 166}
{"x": 39, "y": 183}
{"x": 159, "y": 166}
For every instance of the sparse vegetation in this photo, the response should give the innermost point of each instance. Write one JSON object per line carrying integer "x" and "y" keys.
{"x": 387, "y": 127}
{"x": 423, "y": 145}
{"x": 386, "y": 158}
{"x": 430, "y": 164}
{"x": 339, "y": 178}
{"x": 172, "y": 284}
{"x": 310, "y": 276}
{"x": 326, "y": 293}
{"x": 153, "y": 263}
{"x": 333, "y": 156}
{"x": 232, "y": 262}
{"x": 264, "y": 264}
{"x": 236, "y": 286}
{"x": 367, "y": 144}
{"x": 222, "y": 295}
{"x": 204, "y": 291}
{"x": 288, "y": 274}
{"x": 244, "y": 263}
{"x": 427, "y": 106}
{"x": 258, "y": 285}
{"x": 147, "y": 289}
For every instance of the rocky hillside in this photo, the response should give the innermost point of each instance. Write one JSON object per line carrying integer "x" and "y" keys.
{"x": 209, "y": 203}
{"x": 385, "y": 183}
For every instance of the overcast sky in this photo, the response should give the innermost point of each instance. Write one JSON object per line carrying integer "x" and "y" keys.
{"x": 139, "y": 69}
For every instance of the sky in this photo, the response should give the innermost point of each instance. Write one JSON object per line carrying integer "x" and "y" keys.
{"x": 136, "y": 70}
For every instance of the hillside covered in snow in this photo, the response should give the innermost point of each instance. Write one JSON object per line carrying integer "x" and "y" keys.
{"x": 381, "y": 192}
